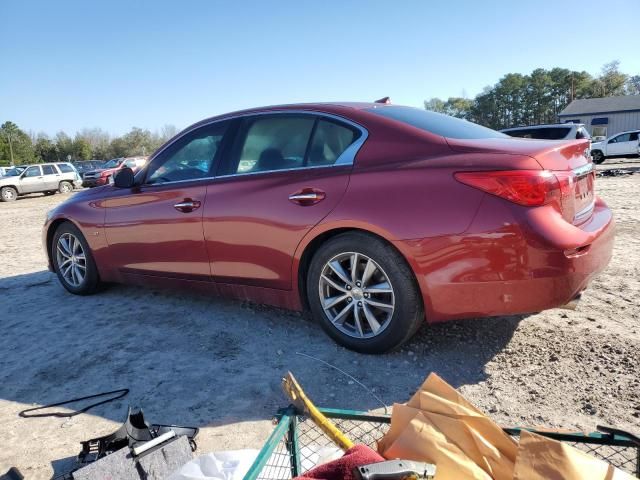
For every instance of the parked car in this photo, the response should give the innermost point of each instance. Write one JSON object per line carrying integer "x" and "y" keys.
{"x": 623, "y": 144}
{"x": 104, "y": 174}
{"x": 559, "y": 131}
{"x": 13, "y": 171}
{"x": 47, "y": 178}
{"x": 5, "y": 170}
{"x": 372, "y": 216}
{"x": 88, "y": 166}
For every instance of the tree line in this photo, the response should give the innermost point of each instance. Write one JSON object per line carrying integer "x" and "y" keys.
{"x": 537, "y": 98}
{"x": 515, "y": 100}
{"x": 87, "y": 144}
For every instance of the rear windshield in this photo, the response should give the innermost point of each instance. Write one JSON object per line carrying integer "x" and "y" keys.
{"x": 543, "y": 133}
{"x": 65, "y": 168}
{"x": 436, "y": 123}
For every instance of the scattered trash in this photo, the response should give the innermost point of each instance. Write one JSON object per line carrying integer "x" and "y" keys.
{"x": 133, "y": 432}
{"x": 154, "y": 463}
{"x": 12, "y": 474}
{"x": 441, "y": 428}
{"x": 117, "y": 394}
{"x": 137, "y": 450}
{"x": 229, "y": 465}
{"x": 615, "y": 172}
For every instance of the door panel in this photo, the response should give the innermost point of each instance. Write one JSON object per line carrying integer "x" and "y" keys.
{"x": 617, "y": 145}
{"x": 148, "y": 234}
{"x": 51, "y": 177}
{"x": 252, "y": 228}
{"x": 156, "y": 229}
{"x": 32, "y": 180}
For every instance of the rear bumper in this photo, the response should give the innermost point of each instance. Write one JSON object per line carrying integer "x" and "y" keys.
{"x": 531, "y": 262}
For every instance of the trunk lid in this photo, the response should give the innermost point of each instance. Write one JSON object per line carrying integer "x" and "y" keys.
{"x": 568, "y": 160}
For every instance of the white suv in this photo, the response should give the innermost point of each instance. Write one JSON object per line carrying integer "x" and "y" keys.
{"x": 623, "y": 144}
{"x": 558, "y": 131}
{"x": 47, "y": 178}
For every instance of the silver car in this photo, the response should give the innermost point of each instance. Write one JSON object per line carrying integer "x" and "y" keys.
{"x": 557, "y": 131}
{"x": 47, "y": 178}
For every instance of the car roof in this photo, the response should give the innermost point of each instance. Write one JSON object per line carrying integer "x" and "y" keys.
{"x": 325, "y": 107}
{"x": 626, "y": 131}
{"x": 545, "y": 125}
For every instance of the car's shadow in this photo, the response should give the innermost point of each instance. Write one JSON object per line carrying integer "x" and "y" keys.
{"x": 194, "y": 360}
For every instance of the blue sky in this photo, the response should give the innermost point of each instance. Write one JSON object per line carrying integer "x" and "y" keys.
{"x": 117, "y": 64}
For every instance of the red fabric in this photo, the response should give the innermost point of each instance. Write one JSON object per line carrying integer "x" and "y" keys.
{"x": 342, "y": 468}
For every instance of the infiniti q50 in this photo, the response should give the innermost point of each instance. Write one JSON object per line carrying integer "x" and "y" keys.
{"x": 374, "y": 217}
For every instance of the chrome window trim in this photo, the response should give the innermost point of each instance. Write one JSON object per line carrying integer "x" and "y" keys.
{"x": 346, "y": 158}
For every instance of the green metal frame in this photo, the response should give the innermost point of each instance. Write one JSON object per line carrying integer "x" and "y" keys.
{"x": 288, "y": 423}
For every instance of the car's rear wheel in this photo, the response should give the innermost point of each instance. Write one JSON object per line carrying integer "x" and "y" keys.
{"x": 364, "y": 294}
{"x": 73, "y": 262}
{"x": 597, "y": 157}
{"x": 65, "y": 187}
{"x": 8, "y": 194}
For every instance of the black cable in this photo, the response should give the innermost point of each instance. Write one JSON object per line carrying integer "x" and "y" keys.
{"x": 121, "y": 393}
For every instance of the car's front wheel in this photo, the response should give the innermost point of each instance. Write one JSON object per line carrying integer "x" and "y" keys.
{"x": 597, "y": 157}
{"x": 364, "y": 294}
{"x": 8, "y": 194}
{"x": 73, "y": 261}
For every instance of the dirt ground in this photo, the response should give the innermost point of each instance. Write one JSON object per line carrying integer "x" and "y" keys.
{"x": 217, "y": 364}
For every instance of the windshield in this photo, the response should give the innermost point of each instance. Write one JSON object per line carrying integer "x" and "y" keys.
{"x": 112, "y": 163}
{"x": 14, "y": 172}
{"x": 437, "y": 123}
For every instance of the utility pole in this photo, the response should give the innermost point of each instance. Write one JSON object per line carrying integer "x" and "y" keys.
{"x": 10, "y": 148}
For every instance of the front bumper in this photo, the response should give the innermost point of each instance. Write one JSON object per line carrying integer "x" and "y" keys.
{"x": 533, "y": 262}
{"x": 94, "y": 182}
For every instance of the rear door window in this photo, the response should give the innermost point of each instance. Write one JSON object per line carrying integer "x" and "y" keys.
{"x": 49, "y": 170}
{"x": 65, "y": 168}
{"x": 272, "y": 143}
{"x": 330, "y": 140}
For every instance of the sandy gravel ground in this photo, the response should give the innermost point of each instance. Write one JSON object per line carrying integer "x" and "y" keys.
{"x": 217, "y": 364}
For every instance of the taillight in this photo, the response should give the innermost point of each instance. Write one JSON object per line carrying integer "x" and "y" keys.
{"x": 530, "y": 188}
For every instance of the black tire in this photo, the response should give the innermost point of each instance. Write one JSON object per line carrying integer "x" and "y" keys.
{"x": 597, "y": 157}
{"x": 65, "y": 187}
{"x": 91, "y": 281}
{"x": 408, "y": 313}
{"x": 8, "y": 194}
{"x": 49, "y": 193}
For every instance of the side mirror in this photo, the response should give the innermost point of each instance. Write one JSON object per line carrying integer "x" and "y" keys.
{"x": 124, "y": 178}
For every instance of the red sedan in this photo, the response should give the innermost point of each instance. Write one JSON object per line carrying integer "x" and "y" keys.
{"x": 375, "y": 217}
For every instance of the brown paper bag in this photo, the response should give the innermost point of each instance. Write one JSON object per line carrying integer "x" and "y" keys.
{"x": 541, "y": 458}
{"x": 438, "y": 425}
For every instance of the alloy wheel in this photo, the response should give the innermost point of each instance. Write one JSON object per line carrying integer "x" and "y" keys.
{"x": 8, "y": 194}
{"x": 356, "y": 295}
{"x": 65, "y": 188}
{"x": 71, "y": 259}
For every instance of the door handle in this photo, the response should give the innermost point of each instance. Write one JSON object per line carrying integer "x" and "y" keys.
{"x": 187, "y": 205}
{"x": 307, "y": 196}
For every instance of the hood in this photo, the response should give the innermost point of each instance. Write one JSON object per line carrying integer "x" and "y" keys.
{"x": 9, "y": 180}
